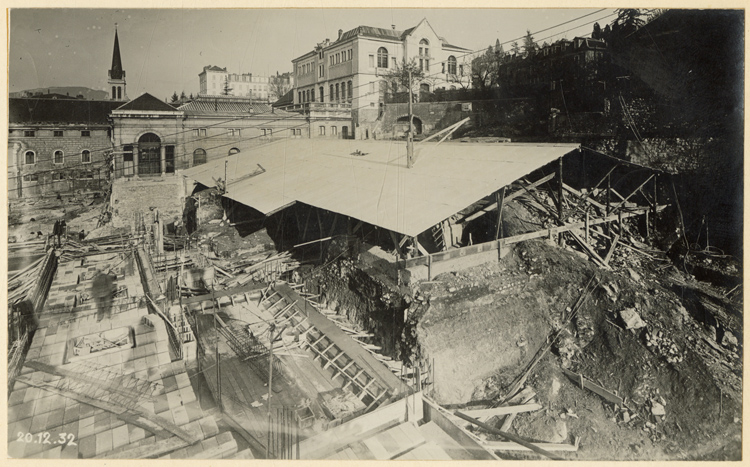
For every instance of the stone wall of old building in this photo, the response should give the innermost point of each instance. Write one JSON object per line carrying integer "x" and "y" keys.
{"x": 132, "y": 196}
{"x": 46, "y": 175}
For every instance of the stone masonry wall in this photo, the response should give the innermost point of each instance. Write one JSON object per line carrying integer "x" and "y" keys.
{"x": 130, "y": 196}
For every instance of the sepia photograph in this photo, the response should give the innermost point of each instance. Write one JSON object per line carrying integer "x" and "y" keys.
{"x": 359, "y": 234}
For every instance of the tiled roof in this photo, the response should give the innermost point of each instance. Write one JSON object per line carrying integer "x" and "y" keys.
{"x": 205, "y": 106}
{"x": 286, "y": 99}
{"x": 147, "y": 102}
{"x": 33, "y": 110}
{"x": 369, "y": 31}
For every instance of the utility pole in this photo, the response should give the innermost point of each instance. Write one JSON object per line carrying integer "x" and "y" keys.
{"x": 409, "y": 139}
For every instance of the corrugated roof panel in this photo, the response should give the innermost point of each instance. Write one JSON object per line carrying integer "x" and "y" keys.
{"x": 377, "y": 187}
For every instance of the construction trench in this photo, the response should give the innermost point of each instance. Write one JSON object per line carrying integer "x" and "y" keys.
{"x": 559, "y": 310}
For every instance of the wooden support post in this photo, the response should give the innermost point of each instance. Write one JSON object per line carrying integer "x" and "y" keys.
{"x": 653, "y": 214}
{"x": 586, "y": 228}
{"x": 500, "y": 198}
{"x": 612, "y": 248}
{"x": 429, "y": 267}
{"x": 396, "y": 242}
{"x": 320, "y": 229}
{"x": 560, "y": 192}
{"x": 609, "y": 189}
{"x": 333, "y": 224}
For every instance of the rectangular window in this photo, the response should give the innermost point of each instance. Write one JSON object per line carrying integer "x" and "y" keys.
{"x": 30, "y": 157}
{"x": 57, "y": 133}
{"x": 350, "y": 54}
{"x": 393, "y": 62}
{"x": 333, "y": 130}
{"x": 195, "y": 132}
{"x": 203, "y": 132}
{"x": 85, "y": 133}
{"x": 320, "y": 71}
{"x": 29, "y": 133}
{"x": 421, "y": 64}
{"x": 31, "y": 178}
{"x": 298, "y": 131}
{"x": 57, "y": 176}
{"x": 322, "y": 130}
{"x": 372, "y": 61}
{"x": 427, "y": 65}
{"x": 85, "y": 157}
{"x": 58, "y": 157}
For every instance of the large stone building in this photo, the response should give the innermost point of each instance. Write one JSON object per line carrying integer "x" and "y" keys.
{"x": 152, "y": 137}
{"x": 57, "y": 145}
{"x": 216, "y": 81}
{"x": 350, "y": 70}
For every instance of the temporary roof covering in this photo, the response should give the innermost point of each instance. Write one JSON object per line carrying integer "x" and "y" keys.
{"x": 368, "y": 180}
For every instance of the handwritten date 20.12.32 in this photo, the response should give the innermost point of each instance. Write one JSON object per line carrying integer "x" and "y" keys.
{"x": 46, "y": 438}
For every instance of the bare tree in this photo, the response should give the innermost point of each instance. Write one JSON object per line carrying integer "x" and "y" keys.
{"x": 279, "y": 85}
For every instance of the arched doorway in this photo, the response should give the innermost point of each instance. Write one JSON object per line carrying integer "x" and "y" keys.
{"x": 149, "y": 154}
{"x": 344, "y": 132}
{"x": 402, "y": 125}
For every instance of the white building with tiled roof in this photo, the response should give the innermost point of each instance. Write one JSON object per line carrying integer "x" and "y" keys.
{"x": 351, "y": 69}
{"x": 214, "y": 80}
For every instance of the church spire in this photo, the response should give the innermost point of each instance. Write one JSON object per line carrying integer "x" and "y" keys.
{"x": 116, "y": 73}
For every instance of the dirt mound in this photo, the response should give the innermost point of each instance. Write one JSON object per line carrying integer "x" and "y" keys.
{"x": 678, "y": 367}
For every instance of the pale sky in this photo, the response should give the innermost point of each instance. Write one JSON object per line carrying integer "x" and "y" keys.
{"x": 164, "y": 50}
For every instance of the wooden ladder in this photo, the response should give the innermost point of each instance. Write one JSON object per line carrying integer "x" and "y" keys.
{"x": 438, "y": 237}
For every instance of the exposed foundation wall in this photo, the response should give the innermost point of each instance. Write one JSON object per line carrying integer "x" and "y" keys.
{"x": 131, "y": 196}
{"x": 366, "y": 301}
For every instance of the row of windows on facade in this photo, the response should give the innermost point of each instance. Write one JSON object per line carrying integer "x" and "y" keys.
{"x": 58, "y": 133}
{"x": 57, "y": 176}
{"x": 337, "y": 92}
{"x": 333, "y": 59}
{"x": 334, "y": 130}
{"x": 58, "y": 157}
{"x": 201, "y": 132}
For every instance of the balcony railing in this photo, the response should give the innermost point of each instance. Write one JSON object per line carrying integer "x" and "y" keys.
{"x": 308, "y": 107}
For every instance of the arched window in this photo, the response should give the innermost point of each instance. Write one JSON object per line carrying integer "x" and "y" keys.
{"x": 337, "y": 91}
{"x": 321, "y": 93}
{"x": 343, "y": 91}
{"x": 349, "y": 90}
{"x": 312, "y": 95}
{"x": 114, "y": 93}
{"x": 451, "y": 65}
{"x": 149, "y": 154}
{"x": 233, "y": 151}
{"x": 424, "y": 48}
{"x": 330, "y": 94}
{"x": 382, "y": 57}
{"x": 58, "y": 157}
{"x": 199, "y": 157}
{"x": 85, "y": 156}
{"x": 30, "y": 157}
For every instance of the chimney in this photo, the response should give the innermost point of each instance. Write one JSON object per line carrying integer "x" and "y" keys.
{"x": 341, "y": 31}
{"x": 393, "y": 26}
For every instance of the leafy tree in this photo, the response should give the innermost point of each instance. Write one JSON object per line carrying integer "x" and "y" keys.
{"x": 484, "y": 69}
{"x": 174, "y": 98}
{"x": 400, "y": 75}
{"x": 597, "y": 32}
{"x": 499, "y": 47}
{"x": 629, "y": 20}
{"x": 515, "y": 48}
{"x": 529, "y": 45}
{"x": 227, "y": 90}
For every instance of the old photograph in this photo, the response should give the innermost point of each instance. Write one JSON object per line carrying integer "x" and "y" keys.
{"x": 375, "y": 234}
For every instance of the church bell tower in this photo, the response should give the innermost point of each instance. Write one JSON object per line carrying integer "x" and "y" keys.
{"x": 116, "y": 79}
